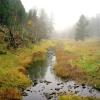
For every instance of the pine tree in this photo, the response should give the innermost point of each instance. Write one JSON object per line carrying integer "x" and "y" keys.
{"x": 12, "y": 15}
{"x": 82, "y": 28}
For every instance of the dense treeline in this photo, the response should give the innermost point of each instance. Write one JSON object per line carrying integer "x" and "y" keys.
{"x": 11, "y": 12}
{"x": 12, "y": 17}
{"x": 18, "y": 27}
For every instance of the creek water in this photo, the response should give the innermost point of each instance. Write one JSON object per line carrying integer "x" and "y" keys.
{"x": 47, "y": 86}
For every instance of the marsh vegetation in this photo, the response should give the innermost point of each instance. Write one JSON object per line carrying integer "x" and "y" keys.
{"x": 39, "y": 62}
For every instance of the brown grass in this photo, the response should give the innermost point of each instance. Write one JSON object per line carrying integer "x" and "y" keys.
{"x": 65, "y": 67}
{"x": 9, "y": 94}
{"x": 79, "y": 61}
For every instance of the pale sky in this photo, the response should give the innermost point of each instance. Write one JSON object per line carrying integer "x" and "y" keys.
{"x": 65, "y": 12}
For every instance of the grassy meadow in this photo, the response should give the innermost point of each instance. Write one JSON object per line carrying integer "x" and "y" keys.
{"x": 76, "y": 60}
{"x": 79, "y": 61}
{"x": 13, "y": 65}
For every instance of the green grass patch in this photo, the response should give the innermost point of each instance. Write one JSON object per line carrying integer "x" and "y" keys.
{"x": 72, "y": 97}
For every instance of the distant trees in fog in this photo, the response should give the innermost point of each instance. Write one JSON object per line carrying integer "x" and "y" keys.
{"x": 86, "y": 27}
{"x": 39, "y": 25}
{"x": 94, "y": 26}
{"x": 81, "y": 28}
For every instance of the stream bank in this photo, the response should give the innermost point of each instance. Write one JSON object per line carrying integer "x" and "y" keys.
{"x": 47, "y": 86}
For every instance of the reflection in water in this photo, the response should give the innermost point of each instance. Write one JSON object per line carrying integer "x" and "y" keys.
{"x": 47, "y": 83}
{"x": 49, "y": 75}
{"x": 37, "y": 70}
{"x": 43, "y": 69}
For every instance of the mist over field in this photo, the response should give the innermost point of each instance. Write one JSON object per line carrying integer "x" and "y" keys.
{"x": 49, "y": 50}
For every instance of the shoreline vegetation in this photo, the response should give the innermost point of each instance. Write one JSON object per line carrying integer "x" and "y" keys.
{"x": 26, "y": 36}
{"x": 73, "y": 97}
{"x": 13, "y": 69}
{"x": 73, "y": 62}
{"x": 79, "y": 61}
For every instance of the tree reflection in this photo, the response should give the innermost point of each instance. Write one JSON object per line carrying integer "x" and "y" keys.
{"x": 37, "y": 69}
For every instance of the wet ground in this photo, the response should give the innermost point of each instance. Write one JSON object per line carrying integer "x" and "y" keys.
{"x": 47, "y": 86}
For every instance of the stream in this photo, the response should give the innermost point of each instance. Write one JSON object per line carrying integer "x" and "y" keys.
{"x": 47, "y": 86}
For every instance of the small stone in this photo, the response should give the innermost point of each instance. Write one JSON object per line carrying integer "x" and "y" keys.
{"x": 83, "y": 87}
{"x": 90, "y": 90}
{"x": 58, "y": 83}
{"x": 83, "y": 84}
{"x": 27, "y": 90}
{"x": 57, "y": 89}
{"x": 76, "y": 86}
{"x": 24, "y": 94}
{"x": 76, "y": 92}
{"x": 53, "y": 93}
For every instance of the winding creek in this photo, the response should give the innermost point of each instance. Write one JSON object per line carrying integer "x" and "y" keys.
{"x": 47, "y": 86}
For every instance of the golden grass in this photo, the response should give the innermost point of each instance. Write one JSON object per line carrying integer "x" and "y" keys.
{"x": 79, "y": 61}
{"x": 73, "y": 97}
{"x": 9, "y": 94}
{"x": 13, "y": 68}
{"x": 64, "y": 66}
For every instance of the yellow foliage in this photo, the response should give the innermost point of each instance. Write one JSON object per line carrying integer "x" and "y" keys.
{"x": 73, "y": 97}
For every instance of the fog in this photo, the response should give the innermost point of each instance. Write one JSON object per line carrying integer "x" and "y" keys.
{"x": 65, "y": 12}
{"x": 49, "y": 49}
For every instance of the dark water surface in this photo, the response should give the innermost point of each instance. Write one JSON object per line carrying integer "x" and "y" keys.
{"x": 47, "y": 86}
